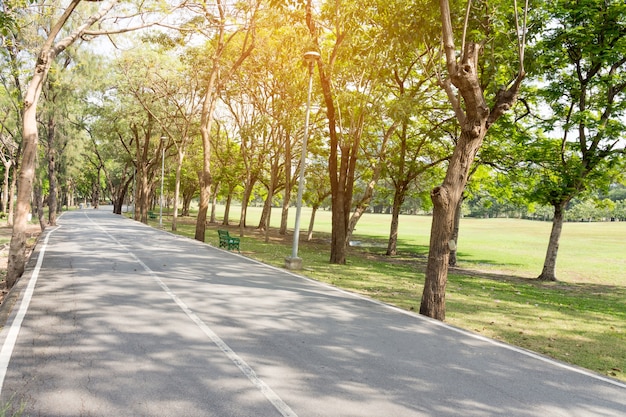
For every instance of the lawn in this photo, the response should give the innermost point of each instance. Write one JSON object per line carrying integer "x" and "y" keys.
{"x": 581, "y": 319}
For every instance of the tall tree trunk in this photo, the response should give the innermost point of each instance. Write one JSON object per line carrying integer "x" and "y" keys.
{"x": 338, "y": 163}
{"x": 179, "y": 168}
{"x": 206, "y": 122}
{"x": 288, "y": 186}
{"x": 5, "y": 185}
{"x": 398, "y": 200}
{"x": 38, "y": 197}
{"x": 549, "y": 265}
{"x": 142, "y": 203}
{"x": 213, "y": 218}
{"x": 95, "y": 198}
{"x": 270, "y": 196}
{"x": 30, "y": 140}
{"x": 455, "y": 232}
{"x": 52, "y": 174}
{"x": 30, "y": 137}
{"x": 12, "y": 189}
{"x": 445, "y": 199}
{"x": 204, "y": 176}
{"x": 217, "y": 77}
{"x": 229, "y": 200}
{"x": 267, "y": 206}
{"x": 186, "y": 203}
{"x": 309, "y": 235}
{"x": 120, "y": 196}
{"x": 247, "y": 193}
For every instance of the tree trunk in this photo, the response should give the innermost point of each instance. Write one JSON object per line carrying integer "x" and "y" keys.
{"x": 120, "y": 196}
{"x": 309, "y": 235}
{"x": 213, "y": 218}
{"x": 339, "y": 230}
{"x": 179, "y": 168}
{"x": 12, "y": 191}
{"x": 5, "y": 186}
{"x": 226, "y": 219}
{"x": 268, "y": 218}
{"x": 549, "y": 265}
{"x": 267, "y": 206}
{"x": 445, "y": 199}
{"x": 218, "y": 75}
{"x": 142, "y": 203}
{"x": 38, "y": 196}
{"x": 52, "y": 175}
{"x": 30, "y": 140}
{"x": 186, "y": 203}
{"x": 455, "y": 232}
{"x": 398, "y": 199}
{"x": 205, "y": 197}
{"x": 30, "y": 137}
{"x": 284, "y": 216}
{"x": 247, "y": 193}
{"x": 205, "y": 178}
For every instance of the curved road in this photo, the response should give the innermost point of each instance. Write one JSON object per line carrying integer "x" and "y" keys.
{"x": 114, "y": 318}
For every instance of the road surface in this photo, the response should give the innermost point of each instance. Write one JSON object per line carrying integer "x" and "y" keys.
{"x": 118, "y": 319}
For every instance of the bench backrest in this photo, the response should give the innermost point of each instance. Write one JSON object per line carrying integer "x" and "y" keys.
{"x": 223, "y": 233}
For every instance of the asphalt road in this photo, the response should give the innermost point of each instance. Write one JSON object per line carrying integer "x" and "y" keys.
{"x": 117, "y": 319}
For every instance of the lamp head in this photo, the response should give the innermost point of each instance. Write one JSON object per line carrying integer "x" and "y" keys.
{"x": 311, "y": 56}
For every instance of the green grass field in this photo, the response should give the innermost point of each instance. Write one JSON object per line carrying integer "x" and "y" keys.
{"x": 581, "y": 319}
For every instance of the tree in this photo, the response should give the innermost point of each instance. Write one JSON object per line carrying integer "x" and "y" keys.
{"x": 48, "y": 53}
{"x": 466, "y": 94}
{"x": 355, "y": 40}
{"x": 581, "y": 66}
{"x": 219, "y": 19}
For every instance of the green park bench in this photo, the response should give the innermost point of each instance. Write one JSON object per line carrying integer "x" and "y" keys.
{"x": 152, "y": 214}
{"x": 227, "y": 241}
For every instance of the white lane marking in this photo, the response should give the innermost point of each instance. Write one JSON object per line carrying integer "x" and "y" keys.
{"x": 271, "y": 396}
{"x": 16, "y": 325}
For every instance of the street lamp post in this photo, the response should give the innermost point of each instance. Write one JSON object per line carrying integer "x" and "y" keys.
{"x": 163, "y": 138}
{"x": 294, "y": 262}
